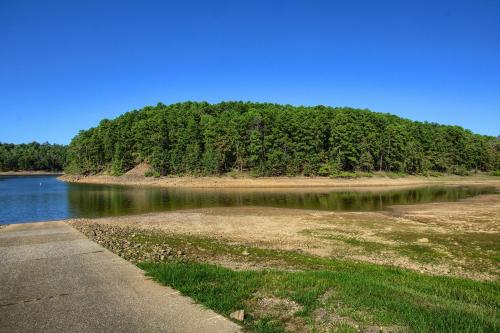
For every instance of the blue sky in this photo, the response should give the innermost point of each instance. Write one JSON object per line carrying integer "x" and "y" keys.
{"x": 65, "y": 65}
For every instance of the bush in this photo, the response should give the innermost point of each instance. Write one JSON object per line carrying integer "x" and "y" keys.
{"x": 152, "y": 173}
{"x": 233, "y": 174}
{"x": 364, "y": 174}
{"x": 210, "y": 162}
{"x": 117, "y": 168}
{"x": 326, "y": 169}
{"x": 344, "y": 174}
{"x": 308, "y": 171}
{"x": 459, "y": 170}
{"x": 495, "y": 173}
{"x": 432, "y": 174}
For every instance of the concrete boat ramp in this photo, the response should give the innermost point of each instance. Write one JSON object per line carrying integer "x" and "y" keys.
{"x": 53, "y": 279}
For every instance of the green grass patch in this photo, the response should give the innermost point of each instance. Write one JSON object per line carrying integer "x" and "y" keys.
{"x": 369, "y": 294}
{"x": 420, "y": 253}
{"x": 368, "y": 246}
{"x": 361, "y": 294}
{"x": 478, "y": 251}
{"x": 211, "y": 248}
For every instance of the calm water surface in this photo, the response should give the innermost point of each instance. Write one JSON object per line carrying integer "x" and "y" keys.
{"x": 43, "y": 198}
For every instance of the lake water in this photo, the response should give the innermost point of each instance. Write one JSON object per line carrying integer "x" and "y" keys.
{"x": 44, "y": 198}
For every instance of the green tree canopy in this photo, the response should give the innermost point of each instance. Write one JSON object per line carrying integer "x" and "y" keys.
{"x": 275, "y": 140}
{"x": 32, "y": 157}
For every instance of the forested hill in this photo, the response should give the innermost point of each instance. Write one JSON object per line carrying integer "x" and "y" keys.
{"x": 276, "y": 140}
{"x": 32, "y": 157}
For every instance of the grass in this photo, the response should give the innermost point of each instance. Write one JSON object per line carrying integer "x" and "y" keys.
{"x": 472, "y": 252}
{"x": 207, "y": 248}
{"x": 477, "y": 251}
{"x": 419, "y": 253}
{"x": 353, "y": 296}
{"x": 353, "y": 241}
{"x": 360, "y": 295}
{"x": 366, "y": 294}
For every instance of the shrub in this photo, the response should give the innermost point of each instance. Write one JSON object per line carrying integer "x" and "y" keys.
{"x": 233, "y": 173}
{"x": 117, "y": 168}
{"x": 432, "y": 174}
{"x": 152, "y": 173}
{"x": 255, "y": 173}
{"x": 459, "y": 170}
{"x": 344, "y": 174}
{"x": 364, "y": 174}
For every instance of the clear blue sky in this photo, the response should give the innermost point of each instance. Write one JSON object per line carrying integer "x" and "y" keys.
{"x": 65, "y": 65}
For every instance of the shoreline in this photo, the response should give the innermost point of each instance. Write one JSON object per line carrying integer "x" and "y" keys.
{"x": 31, "y": 173}
{"x": 433, "y": 238}
{"x": 227, "y": 182}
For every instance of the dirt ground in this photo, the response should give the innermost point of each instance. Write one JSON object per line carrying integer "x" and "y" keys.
{"x": 450, "y": 238}
{"x": 135, "y": 178}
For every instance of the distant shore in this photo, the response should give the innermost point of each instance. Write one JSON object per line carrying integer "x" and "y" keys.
{"x": 29, "y": 173}
{"x": 280, "y": 182}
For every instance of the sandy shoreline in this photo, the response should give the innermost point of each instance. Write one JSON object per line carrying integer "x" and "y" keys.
{"x": 281, "y": 182}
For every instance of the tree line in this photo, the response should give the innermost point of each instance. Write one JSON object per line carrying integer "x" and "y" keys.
{"x": 198, "y": 138}
{"x": 32, "y": 157}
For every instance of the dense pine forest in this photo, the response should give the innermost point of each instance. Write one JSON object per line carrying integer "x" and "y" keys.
{"x": 276, "y": 140}
{"x": 32, "y": 157}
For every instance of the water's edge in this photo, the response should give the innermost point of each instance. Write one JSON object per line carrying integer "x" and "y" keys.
{"x": 43, "y": 198}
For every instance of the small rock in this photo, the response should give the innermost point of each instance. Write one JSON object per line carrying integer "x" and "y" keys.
{"x": 238, "y": 315}
{"x": 180, "y": 253}
{"x": 423, "y": 240}
{"x": 245, "y": 253}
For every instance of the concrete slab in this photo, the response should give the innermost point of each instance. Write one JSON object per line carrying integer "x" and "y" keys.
{"x": 62, "y": 282}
